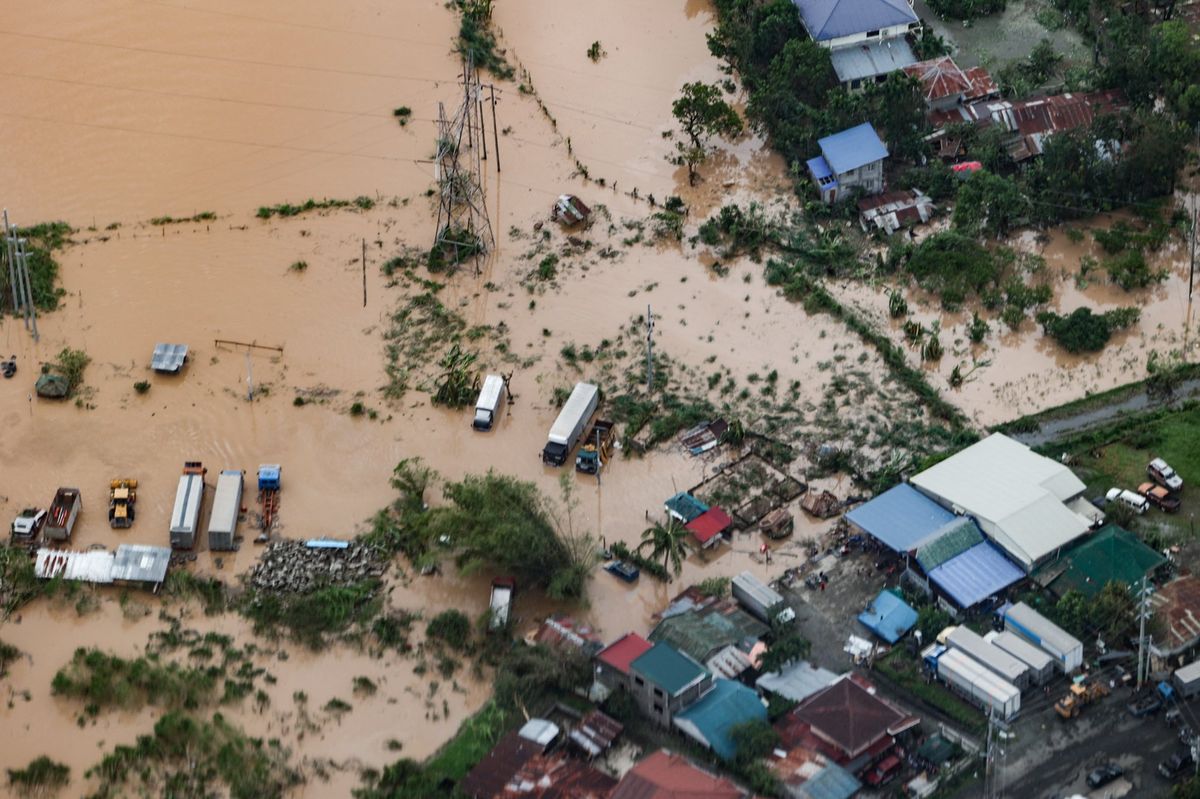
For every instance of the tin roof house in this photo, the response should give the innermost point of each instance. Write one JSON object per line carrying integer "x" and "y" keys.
{"x": 866, "y": 38}
{"x": 852, "y": 159}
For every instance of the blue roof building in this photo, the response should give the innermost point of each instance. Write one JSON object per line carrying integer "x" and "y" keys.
{"x": 710, "y": 720}
{"x": 866, "y": 38}
{"x": 888, "y": 616}
{"x": 900, "y": 518}
{"x": 852, "y": 159}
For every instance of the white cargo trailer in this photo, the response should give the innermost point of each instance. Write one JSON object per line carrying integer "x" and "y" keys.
{"x": 974, "y": 682}
{"x": 226, "y": 507}
{"x": 189, "y": 499}
{"x": 569, "y": 425}
{"x": 1041, "y": 632}
{"x": 488, "y": 404}
{"x": 1041, "y": 665}
{"x": 760, "y": 599}
{"x": 1187, "y": 680}
{"x": 994, "y": 659}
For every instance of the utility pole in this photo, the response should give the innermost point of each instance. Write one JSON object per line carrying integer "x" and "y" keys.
{"x": 649, "y": 349}
{"x": 30, "y": 309}
{"x": 12, "y": 265}
{"x": 495, "y": 135}
{"x": 1143, "y": 615}
{"x": 989, "y": 757}
{"x": 364, "y": 271}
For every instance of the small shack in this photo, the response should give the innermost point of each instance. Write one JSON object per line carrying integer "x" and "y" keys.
{"x": 168, "y": 358}
{"x": 888, "y": 616}
{"x": 569, "y": 210}
{"x": 141, "y": 565}
{"x": 684, "y": 507}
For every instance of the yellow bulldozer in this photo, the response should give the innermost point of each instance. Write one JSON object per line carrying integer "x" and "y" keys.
{"x": 122, "y": 494}
{"x": 1078, "y": 697}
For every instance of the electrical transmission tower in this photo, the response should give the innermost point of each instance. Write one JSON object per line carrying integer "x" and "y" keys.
{"x": 18, "y": 276}
{"x": 463, "y": 228}
{"x": 1144, "y": 613}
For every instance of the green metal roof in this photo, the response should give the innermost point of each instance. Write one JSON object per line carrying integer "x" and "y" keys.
{"x": 1112, "y": 554}
{"x": 701, "y": 634}
{"x": 949, "y": 541}
{"x": 668, "y": 668}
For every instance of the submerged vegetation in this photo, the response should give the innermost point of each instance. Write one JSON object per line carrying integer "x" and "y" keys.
{"x": 362, "y": 203}
{"x": 40, "y": 243}
{"x": 203, "y": 216}
{"x": 103, "y": 680}
{"x": 1084, "y": 331}
{"x": 41, "y": 777}
{"x": 476, "y": 40}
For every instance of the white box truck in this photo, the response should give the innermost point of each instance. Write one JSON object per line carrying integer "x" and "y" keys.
{"x": 488, "y": 404}
{"x": 189, "y": 497}
{"x": 226, "y": 507}
{"x": 760, "y": 599}
{"x": 569, "y": 425}
{"x": 1035, "y": 628}
{"x": 1041, "y": 665}
{"x": 991, "y": 657}
{"x": 971, "y": 680}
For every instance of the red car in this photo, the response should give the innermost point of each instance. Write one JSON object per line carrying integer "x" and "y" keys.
{"x": 884, "y": 772}
{"x": 1159, "y": 497}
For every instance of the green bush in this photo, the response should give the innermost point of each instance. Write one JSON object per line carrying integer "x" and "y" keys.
{"x": 1084, "y": 331}
{"x": 41, "y": 776}
{"x": 451, "y": 626}
{"x": 141, "y": 386}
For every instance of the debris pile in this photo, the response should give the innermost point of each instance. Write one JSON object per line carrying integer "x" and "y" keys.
{"x": 288, "y": 566}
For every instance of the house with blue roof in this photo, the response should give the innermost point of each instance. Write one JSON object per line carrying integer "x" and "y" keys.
{"x": 867, "y": 39}
{"x": 852, "y": 159}
{"x": 888, "y": 616}
{"x": 665, "y": 681}
{"x": 711, "y": 720}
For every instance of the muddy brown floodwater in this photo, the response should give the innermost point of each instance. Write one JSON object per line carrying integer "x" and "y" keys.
{"x": 126, "y": 110}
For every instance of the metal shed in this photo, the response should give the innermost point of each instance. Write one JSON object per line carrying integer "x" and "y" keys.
{"x": 169, "y": 358}
{"x": 141, "y": 564}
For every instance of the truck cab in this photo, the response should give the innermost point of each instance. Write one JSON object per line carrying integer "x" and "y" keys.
{"x": 28, "y": 524}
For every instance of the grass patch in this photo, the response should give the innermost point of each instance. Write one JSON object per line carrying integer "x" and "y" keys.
{"x": 362, "y": 203}
{"x": 476, "y": 41}
{"x": 189, "y": 756}
{"x": 315, "y": 617}
{"x": 40, "y": 242}
{"x": 41, "y": 777}
{"x": 212, "y": 594}
{"x": 203, "y": 216}
{"x": 103, "y": 680}
{"x": 906, "y": 674}
{"x": 141, "y": 386}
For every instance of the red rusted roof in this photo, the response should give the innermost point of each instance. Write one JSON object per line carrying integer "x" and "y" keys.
{"x": 982, "y": 84}
{"x": 663, "y": 775}
{"x": 1177, "y": 604}
{"x": 626, "y": 649}
{"x": 940, "y": 78}
{"x": 849, "y": 716}
{"x": 709, "y": 524}
{"x": 558, "y": 777}
{"x": 490, "y": 776}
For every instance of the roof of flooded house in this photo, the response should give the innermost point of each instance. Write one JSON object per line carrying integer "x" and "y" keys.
{"x": 492, "y": 774}
{"x": 852, "y": 148}
{"x": 596, "y": 732}
{"x": 902, "y": 197}
{"x": 563, "y": 630}
{"x": 168, "y": 357}
{"x": 706, "y": 629}
{"x": 797, "y": 681}
{"x": 864, "y": 60}
{"x": 982, "y": 84}
{"x": 685, "y": 506}
{"x": 623, "y": 651}
{"x": 809, "y": 774}
{"x": 900, "y": 517}
{"x": 711, "y": 719}
{"x": 888, "y": 616}
{"x": 1177, "y": 605}
{"x": 557, "y": 776}
{"x": 709, "y": 525}
{"x": 850, "y": 716}
{"x": 668, "y": 668}
{"x": 833, "y": 19}
{"x": 1111, "y": 554}
{"x": 1016, "y": 496}
{"x": 664, "y": 775}
{"x": 940, "y": 78}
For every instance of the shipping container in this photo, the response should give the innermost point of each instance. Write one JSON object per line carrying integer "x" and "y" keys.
{"x": 992, "y": 658}
{"x": 1187, "y": 680}
{"x": 488, "y": 404}
{"x": 969, "y": 679}
{"x": 63, "y": 513}
{"x": 226, "y": 507}
{"x": 760, "y": 599}
{"x": 1035, "y": 628}
{"x": 569, "y": 425}
{"x": 1041, "y": 665}
{"x": 189, "y": 499}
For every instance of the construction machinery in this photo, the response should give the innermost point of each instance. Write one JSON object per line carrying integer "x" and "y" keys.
{"x": 1078, "y": 697}
{"x": 269, "y": 484}
{"x": 122, "y": 494}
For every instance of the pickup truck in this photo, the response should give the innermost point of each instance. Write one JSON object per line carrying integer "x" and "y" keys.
{"x": 1159, "y": 497}
{"x": 27, "y": 525}
{"x": 1146, "y": 706}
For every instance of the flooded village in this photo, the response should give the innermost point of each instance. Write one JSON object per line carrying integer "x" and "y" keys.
{"x": 498, "y": 398}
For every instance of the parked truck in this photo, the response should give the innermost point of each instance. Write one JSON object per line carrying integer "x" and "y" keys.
{"x": 500, "y": 604}
{"x": 122, "y": 496}
{"x": 226, "y": 508}
{"x": 568, "y": 427}
{"x": 760, "y": 599}
{"x": 189, "y": 499}
{"x": 1079, "y": 696}
{"x": 596, "y": 448}
{"x": 63, "y": 513}
{"x": 488, "y": 405}
{"x": 972, "y": 681}
{"x": 27, "y": 525}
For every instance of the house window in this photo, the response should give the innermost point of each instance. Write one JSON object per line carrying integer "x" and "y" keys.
{"x": 639, "y": 681}
{"x": 658, "y": 692}
{"x": 856, "y": 83}
{"x": 658, "y": 708}
{"x": 871, "y": 34}
{"x": 825, "y": 181}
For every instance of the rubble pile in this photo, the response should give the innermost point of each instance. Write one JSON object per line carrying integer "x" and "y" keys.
{"x": 288, "y": 566}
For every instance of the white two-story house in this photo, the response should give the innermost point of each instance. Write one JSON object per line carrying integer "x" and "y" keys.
{"x": 866, "y": 38}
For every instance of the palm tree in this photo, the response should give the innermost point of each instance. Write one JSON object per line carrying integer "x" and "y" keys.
{"x": 666, "y": 541}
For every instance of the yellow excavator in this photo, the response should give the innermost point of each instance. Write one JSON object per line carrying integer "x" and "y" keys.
{"x": 1079, "y": 696}
{"x": 122, "y": 494}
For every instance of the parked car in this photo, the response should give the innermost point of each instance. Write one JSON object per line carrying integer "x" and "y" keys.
{"x": 623, "y": 569}
{"x": 884, "y": 772}
{"x": 1175, "y": 765}
{"x": 1173, "y": 717}
{"x": 1159, "y": 497}
{"x": 1130, "y": 499}
{"x": 1104, "y": 775}
{"x": 1164, "y": 475}
{"x": 1146, "y": 706}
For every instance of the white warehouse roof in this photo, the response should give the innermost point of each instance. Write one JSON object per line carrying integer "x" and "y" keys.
{"x": 1017, "y": 496}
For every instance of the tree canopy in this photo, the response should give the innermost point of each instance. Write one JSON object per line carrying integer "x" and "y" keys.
{"x": 702, "y": 113}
